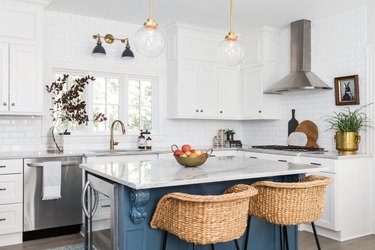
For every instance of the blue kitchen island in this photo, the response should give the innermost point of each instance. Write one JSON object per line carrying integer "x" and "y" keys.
{"x": 120, "y": 198}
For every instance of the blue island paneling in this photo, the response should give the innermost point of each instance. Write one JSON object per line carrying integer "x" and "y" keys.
{"x": 136, "y": 208}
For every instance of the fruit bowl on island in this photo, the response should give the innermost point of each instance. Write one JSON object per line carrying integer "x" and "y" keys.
{"x": 188, "y": 157}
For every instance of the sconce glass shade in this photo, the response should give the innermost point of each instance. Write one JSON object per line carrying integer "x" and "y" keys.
{"x": 99, "y": 50}
{"x": 149, "y": 41}
{"x": 230, "y": 52}
{"x": 127, "y": 54}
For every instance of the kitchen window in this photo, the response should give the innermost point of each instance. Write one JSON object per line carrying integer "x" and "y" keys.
{"x": 124, "y": 97}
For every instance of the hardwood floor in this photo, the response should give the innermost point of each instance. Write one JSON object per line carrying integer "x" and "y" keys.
{"x": 306, "y": 242}
{"x": 47, "y": 243}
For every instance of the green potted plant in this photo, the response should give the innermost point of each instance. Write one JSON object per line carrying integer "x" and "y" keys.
{"x": 229, "y": 133}
{"x": 69, "y": 106}
{"x": 347, "y": 124}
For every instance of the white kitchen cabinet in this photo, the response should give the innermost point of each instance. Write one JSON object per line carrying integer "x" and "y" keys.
{"x": 347, "y": 206}
{"x": 4, "y": 77}
{"x": 21, "y": 83}
{"x": 230, "y": 94}
{"x": 26, "y": 84}
{"x": 11, "y": 201}
{"x": 198, "y": 86}
{"x": 259, "y": 72}
{"x": 271, "y": 157}
{"x": 197, "y": 92}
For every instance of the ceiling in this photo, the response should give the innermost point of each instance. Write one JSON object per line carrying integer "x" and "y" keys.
{"x": 248, "y": 14}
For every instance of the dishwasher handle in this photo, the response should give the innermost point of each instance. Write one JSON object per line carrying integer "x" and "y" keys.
{"x": 88, "y": 213}
{"x": 64, "y": 163}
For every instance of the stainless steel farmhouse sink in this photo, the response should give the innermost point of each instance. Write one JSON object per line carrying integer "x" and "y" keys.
{"x": 121, "y": 151}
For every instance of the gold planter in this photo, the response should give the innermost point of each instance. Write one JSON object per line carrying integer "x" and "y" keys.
{"x": 347, "y": 142}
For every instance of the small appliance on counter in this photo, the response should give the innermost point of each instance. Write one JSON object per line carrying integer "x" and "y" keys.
{"x": 235, "y": 144}
{"x": 219, "y": 141}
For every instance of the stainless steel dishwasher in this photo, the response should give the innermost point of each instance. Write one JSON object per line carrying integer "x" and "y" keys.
{"x": 45, "y": 218}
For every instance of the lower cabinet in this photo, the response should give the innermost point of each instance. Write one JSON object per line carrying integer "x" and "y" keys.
{"x": 347, "y": 196}
{"x": 11, "y": 201}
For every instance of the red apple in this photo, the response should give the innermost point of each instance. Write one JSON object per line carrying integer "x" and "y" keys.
{"x": 186, "y": 148}
{"x": 178, "y": 152}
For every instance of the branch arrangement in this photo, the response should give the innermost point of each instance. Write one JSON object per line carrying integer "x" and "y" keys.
{"x": 68, "y": 104}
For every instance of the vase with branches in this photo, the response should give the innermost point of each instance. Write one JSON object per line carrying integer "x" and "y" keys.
{"x": 68, "y": 103}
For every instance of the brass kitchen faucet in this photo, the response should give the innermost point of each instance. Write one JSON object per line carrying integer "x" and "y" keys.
{"x": 112, "y": 142}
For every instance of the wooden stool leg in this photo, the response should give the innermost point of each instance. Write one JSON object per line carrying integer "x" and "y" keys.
{"x": 316, "y": 235}
{"x": 212, "y": 247}
{"x": 165, "y": 237}
{"x": 281, "y": 237}
{"x": 286, "y": 237}
{"x": 247, "y": 233}
{"x": 194, "y": 247}
{"x": 237, "y": 245}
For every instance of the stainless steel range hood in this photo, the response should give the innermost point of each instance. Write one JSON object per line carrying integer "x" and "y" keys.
{"x": 300, "y": 78}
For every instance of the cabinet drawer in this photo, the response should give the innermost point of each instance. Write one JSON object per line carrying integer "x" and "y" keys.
{"x": 10, "y": 188}
{"x": 10, "y": 166}
{"x": 319, "y": 162}
{"x": 10, "y": 218}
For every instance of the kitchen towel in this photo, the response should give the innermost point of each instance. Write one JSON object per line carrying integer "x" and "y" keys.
{"x": 51, "y": 180}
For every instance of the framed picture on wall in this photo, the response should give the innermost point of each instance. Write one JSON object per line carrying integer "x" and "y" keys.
{"x": 346, "y": 90}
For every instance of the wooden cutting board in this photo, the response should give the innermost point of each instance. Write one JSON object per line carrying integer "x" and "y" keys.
{"x": 311, "y": 130}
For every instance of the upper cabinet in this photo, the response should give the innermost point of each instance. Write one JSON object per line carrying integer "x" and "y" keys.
{"x": 199, "y": 87}
{"x": 259, "y": 71}
{"x": 21, "y": 58}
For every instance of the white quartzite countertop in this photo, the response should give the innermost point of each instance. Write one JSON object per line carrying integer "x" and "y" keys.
{"x": 165, "y": 173}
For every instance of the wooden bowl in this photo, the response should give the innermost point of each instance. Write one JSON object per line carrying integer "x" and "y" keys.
{"x": 191, "y": 161}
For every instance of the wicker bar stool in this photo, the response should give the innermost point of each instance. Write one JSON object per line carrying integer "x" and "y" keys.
{"x": 204, "y": 219}
{"x": 289, "y": 204}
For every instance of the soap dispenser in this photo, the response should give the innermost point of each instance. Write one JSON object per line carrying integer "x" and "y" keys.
{"x": 141, "y": 141}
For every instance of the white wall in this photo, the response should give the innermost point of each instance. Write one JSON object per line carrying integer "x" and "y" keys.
{"x": 338, "y": 49}
{"x": 371, "y": 75}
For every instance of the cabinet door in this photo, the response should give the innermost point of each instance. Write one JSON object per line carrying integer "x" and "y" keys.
{"x": 230, "y": 94}
{"x": 252, "y": 80}
{"x": 207, "y": 89}
{"x": 187, "y": 93}
{"x": 329, "y": 218}
{"x": 4, "y": 77}
{"x": 26, "y": 86}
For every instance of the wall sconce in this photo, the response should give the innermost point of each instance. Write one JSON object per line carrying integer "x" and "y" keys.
{"x": 109, "y": 38}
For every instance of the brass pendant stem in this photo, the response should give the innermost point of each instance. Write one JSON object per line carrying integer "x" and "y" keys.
{"x": 150, "y": 9}
{"x": 230, "y": 16}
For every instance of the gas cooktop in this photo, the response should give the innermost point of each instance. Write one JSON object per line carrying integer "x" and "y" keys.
{"x": 289, "y": 148}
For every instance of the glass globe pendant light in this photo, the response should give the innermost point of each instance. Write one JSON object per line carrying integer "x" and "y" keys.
{"x": 230, "y": 52}
{"x": 149, "y": 40}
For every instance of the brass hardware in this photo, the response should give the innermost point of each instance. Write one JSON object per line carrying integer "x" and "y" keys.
{"x": 347, "y": 142}
{"x": 109, "y": 38}
{"x": 231, "y": 35}
{"x": 150, "y": 24}
{"x": 13, "y": 104}
{"x": 112, "y": 142}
